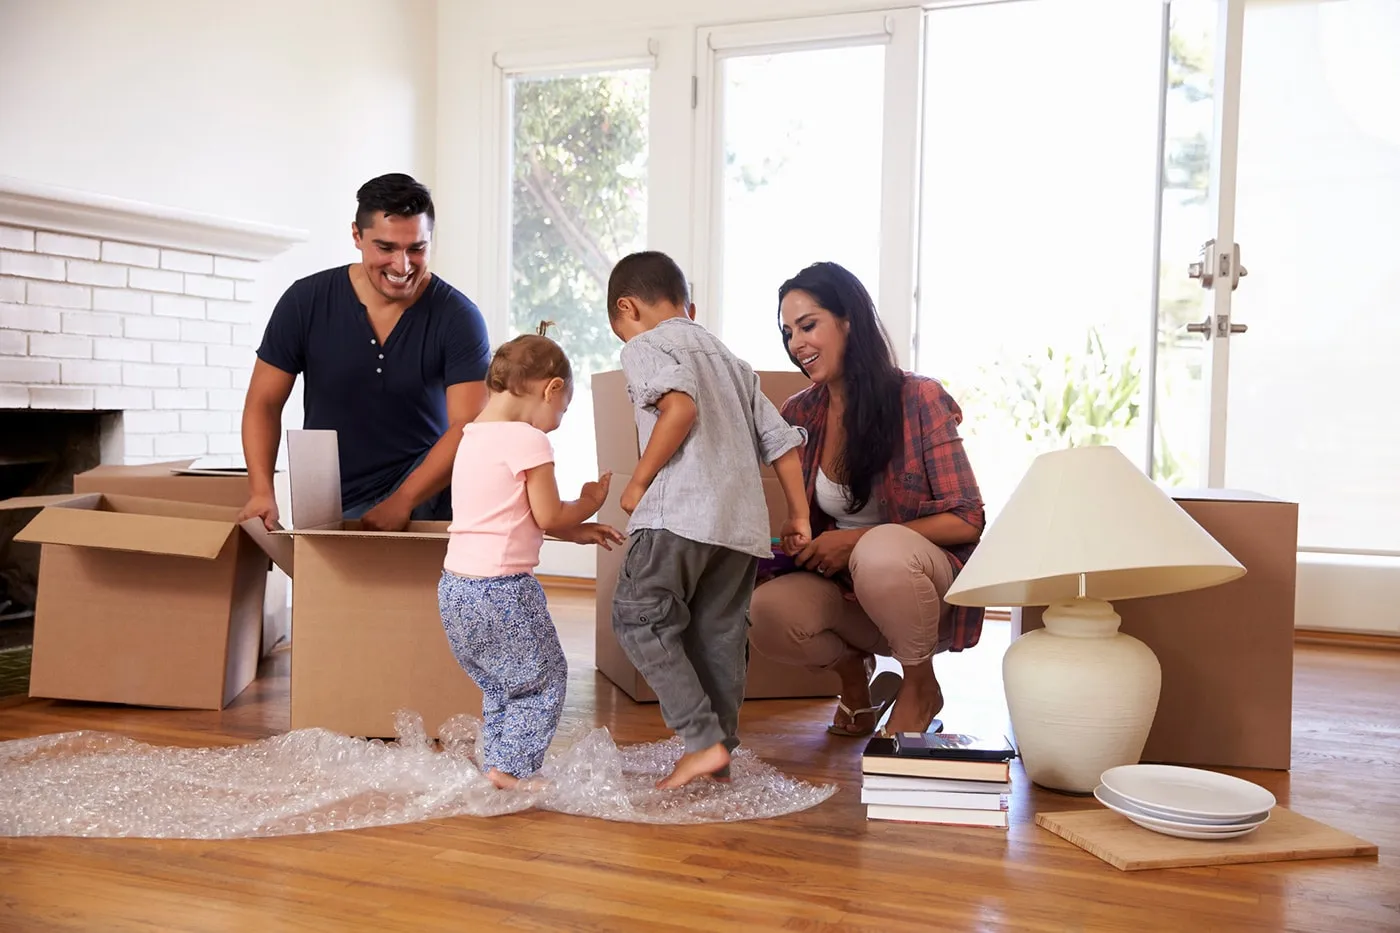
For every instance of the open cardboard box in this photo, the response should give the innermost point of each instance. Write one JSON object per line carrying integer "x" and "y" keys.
{"x": 149, "y": 602}
{"x": 369, "y": 637}
{"x": 615, "y": 427}
{"x": 182, "y": 481}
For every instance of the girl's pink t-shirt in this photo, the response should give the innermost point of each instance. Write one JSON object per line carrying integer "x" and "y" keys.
{"x": 493, "y": 533}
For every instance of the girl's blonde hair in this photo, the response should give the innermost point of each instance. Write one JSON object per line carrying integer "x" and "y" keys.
{"x": 526, "y": 359}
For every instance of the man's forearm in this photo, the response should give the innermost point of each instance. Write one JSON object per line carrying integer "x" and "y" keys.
{"x": 435, "y": 472}
{"x": 262, "y": 429}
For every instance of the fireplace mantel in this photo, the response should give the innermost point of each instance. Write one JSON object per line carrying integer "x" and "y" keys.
{"x": 39, "y": 206}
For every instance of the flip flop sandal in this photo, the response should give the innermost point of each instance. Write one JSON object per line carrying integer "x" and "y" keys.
{"x": 883, "y": 690}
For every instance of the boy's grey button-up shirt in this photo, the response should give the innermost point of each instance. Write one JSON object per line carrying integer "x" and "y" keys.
{"x": 711, "y": 491}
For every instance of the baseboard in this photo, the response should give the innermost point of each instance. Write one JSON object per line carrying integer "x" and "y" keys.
{"x": 1312, "y": 636}
{"x": 556, "y": 581}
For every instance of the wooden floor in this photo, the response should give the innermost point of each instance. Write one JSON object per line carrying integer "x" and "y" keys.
{"x": 822, "y": 870}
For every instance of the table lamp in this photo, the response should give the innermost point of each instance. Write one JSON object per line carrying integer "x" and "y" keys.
{"x": 1083, "y": 527}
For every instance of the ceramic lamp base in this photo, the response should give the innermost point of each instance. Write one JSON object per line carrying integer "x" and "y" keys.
{"x": 1081, "y": 695}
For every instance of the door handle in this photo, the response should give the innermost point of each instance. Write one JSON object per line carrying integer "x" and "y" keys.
{"x": 1216, "y": 327}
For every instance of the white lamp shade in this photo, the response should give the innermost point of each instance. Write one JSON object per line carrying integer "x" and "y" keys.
{"x": 1089, "y": 510}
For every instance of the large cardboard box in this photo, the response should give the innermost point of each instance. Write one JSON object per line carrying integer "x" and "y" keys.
{"x": 181, "y": 481}
{"x": 369, "y": 638}
{"x": 149, "y": 602}
{"x": 171, "y": 480}
{"x": 615, "y": 428}
{"x": 1226, "y": 651}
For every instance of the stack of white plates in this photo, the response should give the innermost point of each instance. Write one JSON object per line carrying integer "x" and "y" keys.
{"x": 1185, "y": 802}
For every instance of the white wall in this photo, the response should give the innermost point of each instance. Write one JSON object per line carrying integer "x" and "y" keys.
{"x": 256, "y": 109}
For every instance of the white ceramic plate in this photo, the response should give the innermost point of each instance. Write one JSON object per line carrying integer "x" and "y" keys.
{"x": 1189, "y": 794}
{"x": 1195, "y": 834}
{"x": 1204, "y": 823}
{"x": 1147, "y": 821}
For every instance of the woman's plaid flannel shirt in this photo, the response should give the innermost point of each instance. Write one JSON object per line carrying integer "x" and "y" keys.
{"x": 928, "y": 475}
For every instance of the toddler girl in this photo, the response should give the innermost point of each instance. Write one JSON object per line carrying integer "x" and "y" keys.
{"x": 504, "y": 500}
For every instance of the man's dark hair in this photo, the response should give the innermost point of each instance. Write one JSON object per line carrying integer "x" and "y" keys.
{"x": 647, "y": 276}
{"x": 395, "y": 194}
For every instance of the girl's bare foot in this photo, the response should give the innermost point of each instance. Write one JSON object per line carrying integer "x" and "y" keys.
{"x": 705, "y": 762}
{"x": 502, "y": 780}
{"x": 920, "y": 699}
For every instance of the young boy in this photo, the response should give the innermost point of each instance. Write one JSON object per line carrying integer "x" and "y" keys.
{"x": 699, "y": 523}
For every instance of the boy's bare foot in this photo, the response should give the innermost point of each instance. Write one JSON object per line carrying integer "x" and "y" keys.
{"x": 920, "y": 699}
{"x": 705, "y": 762}
{"x": 501, "y": 779}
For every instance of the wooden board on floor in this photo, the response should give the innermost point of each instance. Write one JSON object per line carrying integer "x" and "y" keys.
{"x": 1127, "y": 846}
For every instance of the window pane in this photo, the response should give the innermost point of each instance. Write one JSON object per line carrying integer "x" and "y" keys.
{"x": 802, "y": 136}
{"x": 578, "y": 204}
{"x": 1037, "y": 219}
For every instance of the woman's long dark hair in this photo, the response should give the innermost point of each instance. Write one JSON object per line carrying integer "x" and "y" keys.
{"x": 873, "y": 419}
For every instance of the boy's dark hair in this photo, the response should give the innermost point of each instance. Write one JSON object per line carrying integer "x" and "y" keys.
{"x": 526, "y": 359}
{"x": 648, "y": 276}
{"x": 397, "y": 195}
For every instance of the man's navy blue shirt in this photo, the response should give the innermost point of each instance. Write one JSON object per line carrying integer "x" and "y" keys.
{"x": 388, "y": 404}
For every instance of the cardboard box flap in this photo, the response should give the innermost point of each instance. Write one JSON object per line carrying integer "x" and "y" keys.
{"x": 82, "y": 525}
{"x": 275, "y": 547}
{"x": 313, "y": 462}
{"x": 73, "y": 500}
{"x": 419, "y": 531}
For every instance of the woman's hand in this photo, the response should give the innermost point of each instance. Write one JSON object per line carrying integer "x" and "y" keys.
{"x": 830, "y": 552}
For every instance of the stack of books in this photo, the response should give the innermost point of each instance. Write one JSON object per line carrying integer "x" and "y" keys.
{"x": 925, "y": 777}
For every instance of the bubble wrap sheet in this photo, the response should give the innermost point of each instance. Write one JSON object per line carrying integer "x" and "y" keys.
{"x": 313, "y": 780}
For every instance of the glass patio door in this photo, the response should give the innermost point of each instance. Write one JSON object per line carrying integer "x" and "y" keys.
{"x": 1038, "y": 225}
{"x": 1298, "y": 355}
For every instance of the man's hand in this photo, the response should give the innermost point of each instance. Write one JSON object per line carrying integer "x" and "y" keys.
{"x": 632, "y": 495}
{"x": 605, "y": 536}
{"x": 390, "y": 515}
{"x": 259, "y": 506}
{"x": 595, "y": 494}
{"x": 830, "y": 552}
{"x": 795, "y": 535}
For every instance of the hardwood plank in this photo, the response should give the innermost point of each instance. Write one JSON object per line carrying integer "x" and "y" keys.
{"x": 824, "y": 869}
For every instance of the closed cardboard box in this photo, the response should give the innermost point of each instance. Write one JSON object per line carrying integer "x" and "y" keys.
{"x": 1226, "y": 651}
{"x": 149, "y": 602}
{"x": 369, "y": 637}
{"x": 616, "y": 433}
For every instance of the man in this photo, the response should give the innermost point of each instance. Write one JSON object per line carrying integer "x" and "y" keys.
{"x": 394, "y": 359}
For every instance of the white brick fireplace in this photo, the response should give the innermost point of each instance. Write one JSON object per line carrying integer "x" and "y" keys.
{"x": 109, "y": 305}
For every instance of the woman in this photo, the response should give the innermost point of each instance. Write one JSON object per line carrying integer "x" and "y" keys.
{"x": 895, "y": 513}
